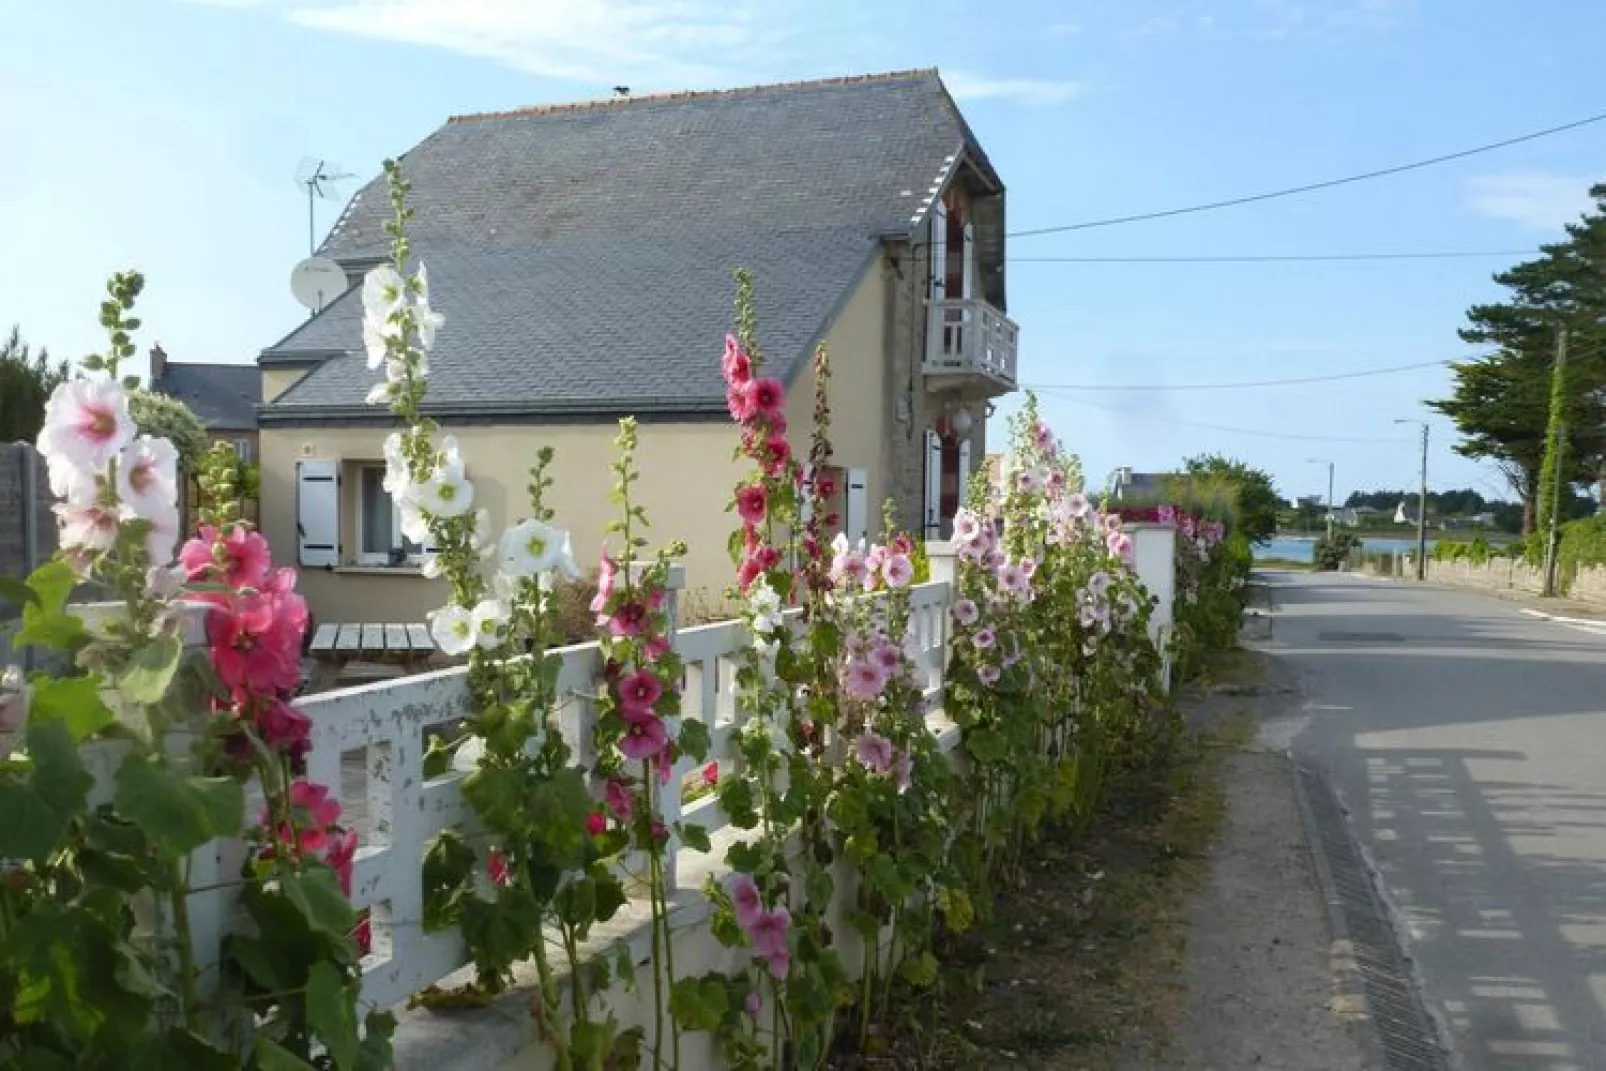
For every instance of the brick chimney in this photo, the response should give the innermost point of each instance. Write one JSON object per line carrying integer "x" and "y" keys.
{"x": 158, "y": 362}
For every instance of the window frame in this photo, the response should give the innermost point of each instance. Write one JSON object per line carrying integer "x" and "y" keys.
{"x": 400, "y": 542}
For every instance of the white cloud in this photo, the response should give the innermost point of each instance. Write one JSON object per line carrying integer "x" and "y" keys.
{"x": 1535, "y": 199}
{"x": 645, "y": 44}
{"x": 1038, "y": 92}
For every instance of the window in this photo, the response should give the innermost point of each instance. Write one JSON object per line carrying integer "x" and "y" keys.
{"x": 242, "y": 450}
{"x": 379, "y": 534}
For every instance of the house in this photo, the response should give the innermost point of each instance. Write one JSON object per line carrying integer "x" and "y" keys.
{"x": 583, "y": 257}
{"x": 1358, "y": 516}
{"x": 1141, "y": 487}
{"x": 223, "y": 397}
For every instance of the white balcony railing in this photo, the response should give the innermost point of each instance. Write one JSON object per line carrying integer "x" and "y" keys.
{"x": 973, "y": 338}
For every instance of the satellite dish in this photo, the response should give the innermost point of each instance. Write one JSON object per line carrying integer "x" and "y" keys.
{"x": 317, "y": 281}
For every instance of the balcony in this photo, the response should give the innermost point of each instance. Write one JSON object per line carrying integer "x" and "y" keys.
{"x": 972, "y": 348}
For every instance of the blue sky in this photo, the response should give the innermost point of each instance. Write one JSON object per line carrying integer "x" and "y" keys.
{"x": 164, "y": 134}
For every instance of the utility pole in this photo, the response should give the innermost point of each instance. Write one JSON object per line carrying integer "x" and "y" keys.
{"x": 1421, "y": 506}
{"x": 1329, "y": 464}
{"x": 1553, "y": 532}
{"x": 1422, "y": 513}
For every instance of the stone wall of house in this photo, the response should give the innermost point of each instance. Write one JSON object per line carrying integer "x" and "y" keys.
{"x": 1514, "y": 574}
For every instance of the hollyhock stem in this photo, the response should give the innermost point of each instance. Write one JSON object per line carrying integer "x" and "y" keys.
{"x": 179, "y": 897}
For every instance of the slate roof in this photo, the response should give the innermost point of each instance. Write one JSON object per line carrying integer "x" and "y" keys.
{"x": 223, "y": 396}
{"x": 582, "y": 254}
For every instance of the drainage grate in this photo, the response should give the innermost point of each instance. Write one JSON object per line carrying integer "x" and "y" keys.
{"x": 1360, "y": 637}
{"x": 1401, "y": 1023}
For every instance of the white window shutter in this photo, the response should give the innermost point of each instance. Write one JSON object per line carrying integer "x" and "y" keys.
{"x": 939, "y": 250}
{"x": 964, "y": 470}
{"x": 857, "y": 522}
{"x": 318, "y": 513}
{"x": 933, "y": 485}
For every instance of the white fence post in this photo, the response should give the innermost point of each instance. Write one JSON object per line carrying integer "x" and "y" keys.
{"x": 1154, "y": 559}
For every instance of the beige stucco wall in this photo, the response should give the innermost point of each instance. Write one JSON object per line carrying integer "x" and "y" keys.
{"x": 687, "y": 474}
{"x": 275, "y": 381}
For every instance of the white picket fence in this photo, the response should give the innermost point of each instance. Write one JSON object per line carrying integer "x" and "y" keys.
{"x": 386, "y": 724}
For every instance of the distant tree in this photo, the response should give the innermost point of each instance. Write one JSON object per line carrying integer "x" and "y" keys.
{"x": 1501, "y": 401}
{"x": 26, "y": 381}
{"x": 1256, "y": 499}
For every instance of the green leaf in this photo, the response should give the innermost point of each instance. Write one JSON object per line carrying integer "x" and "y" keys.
{"x": 624, "y": 965}
{"x": 180, "y": 813}
{"x": 374, "y": 1054}
{"x": 271, "y": 1056}
{"x": 17, "y": 593}
{"x": 693, "y": 739}
{"x": 34, "y": 813}
{"x": 57, "y": 631}
{"x": 315, "y": 892}
{"x": 986, "y": 747}
{"x": 698, "y": 1003}
{"x": 134, "y": 976}
{"x": 331, "y": 1011}
{"x": 52, "y": 582}
{"x": 150, "y": 671}
{"x": 73, "y": 701}
{"x": 919, "y": 971}
{"x": 695, "y": 837}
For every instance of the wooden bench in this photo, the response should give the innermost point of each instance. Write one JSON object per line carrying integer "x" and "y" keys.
{"x": 372, "y": 650}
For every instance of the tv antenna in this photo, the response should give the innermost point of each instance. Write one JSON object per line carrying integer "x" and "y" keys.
{"x": 318, "y": 178}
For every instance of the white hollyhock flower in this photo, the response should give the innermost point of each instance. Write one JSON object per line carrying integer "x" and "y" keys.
{"x": 383, "y": 292}
{"x": 396, "y": 477}
{"x": 448, "y": 493}
{"x": 147, "y": 477}
{"x": 453, "y": 629}
{"x": 90, "y": 527}
{"x": 375, "y": 340}
{"x": 566, "y": 564}
{"x": 381, "y": 393}
{"x": 532, "y": 547}
{"x": 414, "y": 526}
{"x": 429, "y": 321}
{"x": 490, "y": 623}
{"x": 431, "y": 569}
{"x": 165, "y": 581}
{"x": 86, "y": 425}
{"x": 162, "y": 535}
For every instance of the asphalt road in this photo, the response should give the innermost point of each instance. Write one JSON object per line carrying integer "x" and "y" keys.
{"x": 1468, "y": 742}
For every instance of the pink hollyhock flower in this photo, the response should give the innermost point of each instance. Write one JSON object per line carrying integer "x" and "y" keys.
{"x": 1166, "y": 515}
{"x": 888, "y": 656}
{"x": 747, "y": 901}
{"x": 1013, "y": 579}
{"x": 864, "y": 680}
{"x": 777, "y": 453}
{"x": 739, "y": 403}
{"x": 747, "y": 572}
{"x": 161, "y": 535}
{"x": 1055, "y": 483}
{"x": 596, "y": 823}
{"x": 1043, "y": 436}
{"x": 607, "y": 571}
{"x": 966, "y": 613}
{"x": 736, "y": 366}
{"x": 903, "y": 772}
{"x": 147, "y": 476}
{"x": 659, "y": 831}
{"x": 1028, "y": 481}
{"x": 91, "y": 528}
{"x": 966, "y": 527}
{"x": 768, "y": 932}
{"x": 984, "y": 639}
{"x": 988, "y": 675}
{"x": 341, "y": 855}
{"x": 897, "y": 570}
{"x": 766, "y": 397}
{"x": 641, "y": 690}
{"x": 284, "y": 728}
{"x": 628, "y": 619}
{"x": 874, "y": 751}
{"x": 752, "y": 502}
{"x": 1029, "y": 567}
{"x": 496, "y": 866}
{"x": 645, "y": 735}
{"x": 1112, "y": 522}
{"x": 619, "y": 799}
{"x": 1099, "y": 582}
{"x": 86, "y": 425}
{"x": 753, "y": 1005}
{"x": 711, "y": 774}
{"x": 655, "y": 648}
{"x": 1078, "y": 506}
{"x": 1120, "y": 545}
{"x": 252, "y": 646}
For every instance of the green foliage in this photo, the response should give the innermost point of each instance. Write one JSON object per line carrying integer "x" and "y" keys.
{"x": 26, "y": 381}
{"x": 1583, "y": 545}
{"x": 1252, "y": 495}
{"x": 164, "y": 417}
{"x": 1332, "y": 552}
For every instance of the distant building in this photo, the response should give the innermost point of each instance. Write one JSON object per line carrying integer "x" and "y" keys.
{"x": 1139, "y": 486}
{"x": 223, "y": 397}
{"x": 1357, "y": 516}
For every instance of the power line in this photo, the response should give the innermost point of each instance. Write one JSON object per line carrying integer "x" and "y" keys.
{"x": 1233, "y": 202}
{"x": 1218, "y": 427}
{"x": 1275, "y": 258}
{"x": 1332, "y": 377}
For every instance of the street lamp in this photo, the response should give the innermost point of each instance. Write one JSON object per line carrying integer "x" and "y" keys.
{"x": 1421, "y": 504}
{"x": 1329, "y": 464}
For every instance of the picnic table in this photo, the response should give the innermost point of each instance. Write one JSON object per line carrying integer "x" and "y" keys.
{"x": 371, "y": 650}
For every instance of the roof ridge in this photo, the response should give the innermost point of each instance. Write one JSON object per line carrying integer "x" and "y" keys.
{"x": 679, "y": 96}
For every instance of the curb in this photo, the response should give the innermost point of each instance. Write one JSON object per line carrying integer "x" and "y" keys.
{"x": 1376, "y": 989}
{"x": 1594, "y": 624}
{"x": 1349, "y": 996}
